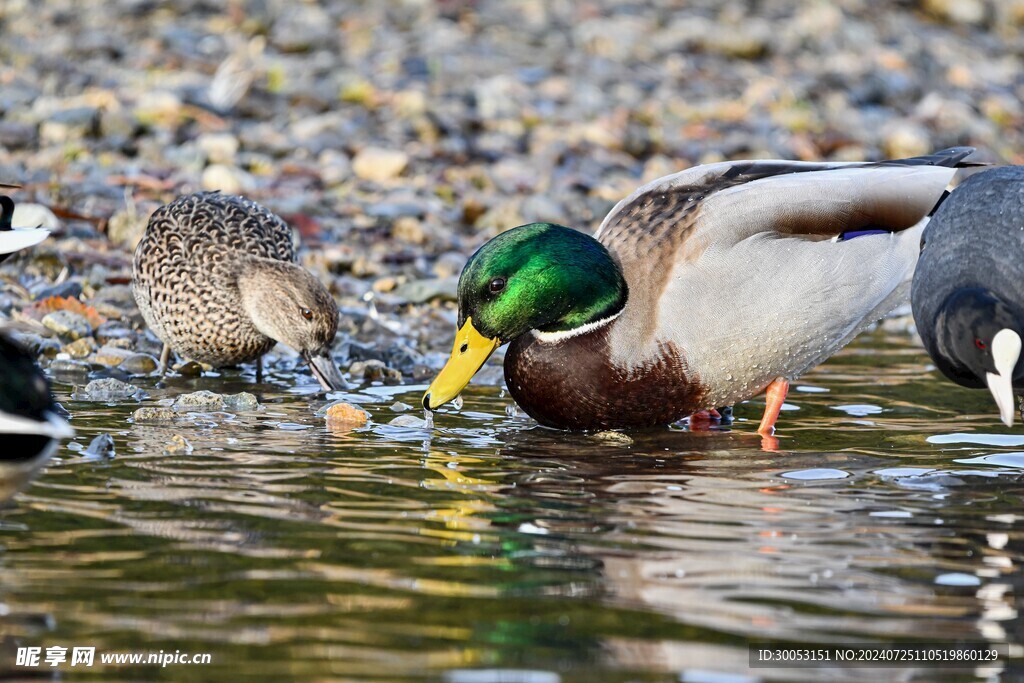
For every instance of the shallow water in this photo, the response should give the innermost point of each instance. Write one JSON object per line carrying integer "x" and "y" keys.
{"x": 489, "y": 549}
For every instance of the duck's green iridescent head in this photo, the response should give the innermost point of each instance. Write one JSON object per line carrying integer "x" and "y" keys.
{"x": 539, "y": 276}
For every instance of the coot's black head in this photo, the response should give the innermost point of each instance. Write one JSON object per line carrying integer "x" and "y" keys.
{"x": 978, "y": 339}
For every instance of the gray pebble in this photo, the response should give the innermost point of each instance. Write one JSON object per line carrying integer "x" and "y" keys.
{"x": 67, "y": 324}
{"x": 200, "y": 400}
{"x": 101, "y": 447}
{"x": 107, "y": 390}
{"x": 68, "y": 366}
{"x": 241, "y": 401}
{"x": 410, "y": 421}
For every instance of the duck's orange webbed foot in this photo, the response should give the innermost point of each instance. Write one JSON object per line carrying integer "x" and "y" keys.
{"x": 775, "y": 396}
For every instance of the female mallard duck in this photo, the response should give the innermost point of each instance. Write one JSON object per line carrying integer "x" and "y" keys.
{"x": 968, "y": 291}
{"x": 215, "y": 278}
{"x": 700, "y": 289}
{"x": 15, "y": 239}
{"x": 29, "y": 423}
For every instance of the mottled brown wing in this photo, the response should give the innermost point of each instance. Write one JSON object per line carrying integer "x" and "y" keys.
{"x": 184, "y": 269}
{"x": 729, "y": 201}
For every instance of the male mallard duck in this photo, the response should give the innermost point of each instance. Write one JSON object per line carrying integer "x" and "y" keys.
{"x": 15, "y": 239}
{"x": 29, "y": 423}
{"x": 700, "y": 289}
{"x": 215, "y": 278}
{"x": 968, "y": 291}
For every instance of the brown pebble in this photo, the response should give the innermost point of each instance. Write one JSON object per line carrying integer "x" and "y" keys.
{"x": 345, "y": 416}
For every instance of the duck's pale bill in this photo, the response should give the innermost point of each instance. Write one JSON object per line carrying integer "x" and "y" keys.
{"x": 326, "y": 372}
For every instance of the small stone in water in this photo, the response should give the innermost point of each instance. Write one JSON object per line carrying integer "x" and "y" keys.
{"x": 612, "y": 438}
{"x": 139, "y": 364}
{"x": 107, "y": 389}
{"x": 100, "y": 447}
{"x": 368, "y": 370}
{"x": 410, "y": 421}
{"x": 241, "y": 401}
{"x": 161, "y": 414}
{"x": 108, "y": 356}
{"x": 343, "y": 414}
{"x": 178, "y": 445}
{"x": 200, "y": 400}
{"x": 66, "y": 365}
{"x": 80, "y": 348}
{"x": 189, "y": 369}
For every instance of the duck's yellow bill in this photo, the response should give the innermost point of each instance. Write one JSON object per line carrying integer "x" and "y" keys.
{"x": 470, "y": 352}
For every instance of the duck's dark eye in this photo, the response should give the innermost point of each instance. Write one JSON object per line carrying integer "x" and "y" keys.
{"x": 497, "y": 284}
{"x": 980, "y": 344}
{"x": 306, "y": 313}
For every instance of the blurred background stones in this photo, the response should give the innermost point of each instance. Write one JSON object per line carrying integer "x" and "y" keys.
{"x": 397, "y": 136}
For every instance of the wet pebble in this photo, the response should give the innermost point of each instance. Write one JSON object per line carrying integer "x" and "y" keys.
{"x": 374, "y": 371}
{"x": 189, "y": 369}
{"x": 100, "y": 448}
{"x": 67, "y": 324}
{"x": 110, "y": 356}
{"x": 67, "y": 366}
{"x": 409, "y": 421}
{"x": 178, "y": 445}
{"x": 151, "y": 414}
{"x": 139, "y": 364}
{"x": 80, "y": 348}
{"x": 345, "y": 416}
{"x": 612, "y": 438}
{"x": 241, "y": 401}
{"x": 107, "y": 390}
{"x": 203, "y": 401}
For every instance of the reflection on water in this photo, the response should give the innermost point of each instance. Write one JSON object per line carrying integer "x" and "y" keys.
{"x": 490, "y": 549}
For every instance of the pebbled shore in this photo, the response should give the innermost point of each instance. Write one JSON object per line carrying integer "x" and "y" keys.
{"x": 398, "y": 136}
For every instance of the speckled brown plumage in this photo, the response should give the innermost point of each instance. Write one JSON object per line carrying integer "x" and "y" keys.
{"x": 215, "y": 278}
{"x": 185, "y": 270}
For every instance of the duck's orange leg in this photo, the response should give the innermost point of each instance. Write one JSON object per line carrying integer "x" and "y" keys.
{"x": 775, "y": 396}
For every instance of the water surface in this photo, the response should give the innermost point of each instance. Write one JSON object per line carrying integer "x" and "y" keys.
{"x": 490, "y": 549}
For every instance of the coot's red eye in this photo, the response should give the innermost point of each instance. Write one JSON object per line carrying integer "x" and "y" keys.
{"x": 980, "y": 344}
